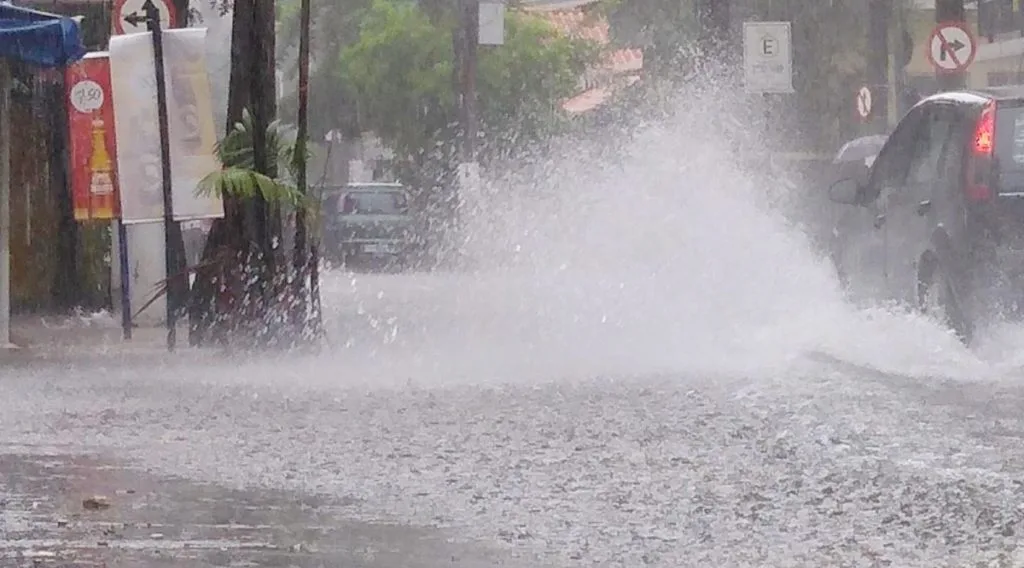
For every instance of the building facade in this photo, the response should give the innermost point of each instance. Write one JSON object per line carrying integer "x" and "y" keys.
{"x": 1000, "y": 58}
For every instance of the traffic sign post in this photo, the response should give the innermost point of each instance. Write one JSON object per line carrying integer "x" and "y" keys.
{"x": 864, "y": 102}
{"x": 124, "y": 10}
{"x": 767, "y": 63}
{"x": 951, "y": 47}
{"x": 767, "y": 57}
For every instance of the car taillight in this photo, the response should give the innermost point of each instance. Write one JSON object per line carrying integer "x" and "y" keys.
{"x": 977, "y": 187}
{"x": 984, "y": 131}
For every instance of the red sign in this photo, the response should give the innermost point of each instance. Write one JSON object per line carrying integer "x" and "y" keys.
{"x": 951, "y": 47}
{"x": 126, "y": 8}
{"x": 93, "y": 146}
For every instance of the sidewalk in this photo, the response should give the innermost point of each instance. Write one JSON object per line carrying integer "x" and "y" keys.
{"x": 148, "y": 522}
{"x": 89, "y": 339}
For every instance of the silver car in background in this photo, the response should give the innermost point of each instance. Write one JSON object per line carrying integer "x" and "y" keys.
{"x": 370, "y": 224}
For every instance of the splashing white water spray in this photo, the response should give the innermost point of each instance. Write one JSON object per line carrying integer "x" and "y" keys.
{"x": 668, "y": 258}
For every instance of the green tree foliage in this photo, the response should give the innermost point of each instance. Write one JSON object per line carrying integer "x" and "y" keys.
{"x": 401, "y": 73}
{"x": 239, "y": 180}
{"x": 335, "y": 24}
{"x": 666, "y": 30}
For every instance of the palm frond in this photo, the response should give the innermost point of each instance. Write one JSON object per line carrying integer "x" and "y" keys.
{"x": 245, "y": 183}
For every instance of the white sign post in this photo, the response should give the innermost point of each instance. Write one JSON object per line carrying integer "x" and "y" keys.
{"x": 864, "y": 102}
{"x": 768, "y": 57}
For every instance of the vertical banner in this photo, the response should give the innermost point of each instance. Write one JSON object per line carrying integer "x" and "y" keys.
{"x": 193, "y": 135}
{"x": 93, "y": 146}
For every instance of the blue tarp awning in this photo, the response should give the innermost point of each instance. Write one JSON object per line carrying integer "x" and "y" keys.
{"x": 38, "y": 38}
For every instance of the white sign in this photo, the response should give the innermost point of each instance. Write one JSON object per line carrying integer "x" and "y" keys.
{"x": 87, "y": 96}
{"x": 492, "y": 23}
{"x": 951, "y": 47}
{"x": 767, "y": 57}
{"x": 864, "y": 102}
{"x": 123, "y": 8}
{"x": 193, "y": 134}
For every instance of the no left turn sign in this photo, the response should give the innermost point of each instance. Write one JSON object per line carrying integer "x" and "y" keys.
{"x": 951, "y": 47}
{"x": 864, "y": 102}
{"x": 123, "y": 8}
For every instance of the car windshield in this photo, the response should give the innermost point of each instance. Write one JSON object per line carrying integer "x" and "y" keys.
{"x": 373, "y": 203}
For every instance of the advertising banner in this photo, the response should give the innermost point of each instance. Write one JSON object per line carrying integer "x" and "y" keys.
{"x": 193, "y": 136}
{"x": 93, "y": 146}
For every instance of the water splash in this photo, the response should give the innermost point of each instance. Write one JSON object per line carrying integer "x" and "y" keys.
{"x": 672, "y": 256}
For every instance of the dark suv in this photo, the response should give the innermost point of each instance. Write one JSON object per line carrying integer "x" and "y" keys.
{"x": 939, "y": 218}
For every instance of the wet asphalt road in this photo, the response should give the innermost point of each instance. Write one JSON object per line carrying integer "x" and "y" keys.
{"x": 48, "y": 518}
{"x": 483, "y": 437}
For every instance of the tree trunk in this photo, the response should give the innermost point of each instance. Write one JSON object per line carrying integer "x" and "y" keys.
{"x": 239, "y": 282}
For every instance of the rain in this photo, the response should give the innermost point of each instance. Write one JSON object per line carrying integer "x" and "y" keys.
{"x": 533, "y": 283}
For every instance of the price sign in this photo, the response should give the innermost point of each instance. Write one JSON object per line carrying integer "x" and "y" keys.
{"x": 87, "y": 96}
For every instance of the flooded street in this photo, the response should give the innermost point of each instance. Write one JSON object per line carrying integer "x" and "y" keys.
{"x": 667, "y": 376}
{"x": 591, "y": 284}
{"x": 141, "y": 520}
{"x": 541, "y": 461}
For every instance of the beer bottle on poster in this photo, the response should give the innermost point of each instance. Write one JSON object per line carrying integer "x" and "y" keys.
{"x": 101, "y": 175}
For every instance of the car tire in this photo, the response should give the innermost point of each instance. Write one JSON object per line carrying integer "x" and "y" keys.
{"x": 938, "y": 298}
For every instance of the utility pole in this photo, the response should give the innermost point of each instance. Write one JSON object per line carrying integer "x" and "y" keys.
{"x": 879, "y": 15}
{"x": 713, "y": 21}
{"x": 468, "y": 173}
{"x": 950, "y": 11}
{"x": 470, "y": 38}
{"x": 303, "y": 263}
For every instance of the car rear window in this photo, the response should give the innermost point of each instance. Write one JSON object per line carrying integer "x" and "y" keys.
{"x": 373, "y": 203}
{"x": 1009, "y": 146}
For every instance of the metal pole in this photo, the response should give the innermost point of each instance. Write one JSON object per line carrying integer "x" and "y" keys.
{"x": 5, "y": 204}
{"x": 471, "y": 35}
{"x": 950, "y": 11}
{"x": 153, "y": 24}
{"x": 468, "y": 115}
{"x": 126, "y": 281}
{"x": 301, "y": 260}
{"x": 878, "y": 62}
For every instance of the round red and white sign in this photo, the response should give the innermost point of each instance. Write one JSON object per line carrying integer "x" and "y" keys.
{"x": 951, "y": 47}
{"x": 124, "y": 8}
{"x": 864, "y": 102}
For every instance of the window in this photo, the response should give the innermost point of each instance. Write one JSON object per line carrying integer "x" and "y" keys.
{"x": 1009, "y": 147}
{"x": 1000, "y": 78}
{"x": 997, "y": 17}
{"x": 890, "y": 167}
{"x": 1010, "y": 137}
{"x": 373, "y": 203}
{"x": 927, "y": 165}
